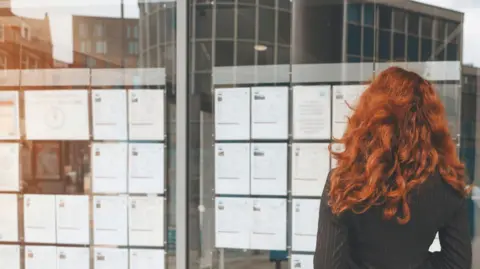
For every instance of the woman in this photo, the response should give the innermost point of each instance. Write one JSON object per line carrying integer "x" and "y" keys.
{"x": 397, "y": 183}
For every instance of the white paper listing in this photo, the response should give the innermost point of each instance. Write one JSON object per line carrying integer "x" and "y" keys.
{"x": 110, "y": 258}
{"x": 146, "y": 114}
{"x": 10, "y": 256}
{"x": 232, "y": 168}
{"x": 145, "y": 221}
{"x": 109, "y": 109}
{"x": 269, "y": 227}
{"x": 269, "y": 169}
{"x": 232, "y": 114}
{"x": 311, "y": 112}
{"x": 110, "y": 220}
{"x": 147, "y": 259}
{"x": 9, "y": 167}
{"x": 146, "y": 168}
{"x": 310, "y": 167}
{"x": 40, "y": 257}
{"x": 345, "y": 97}
{"x": 304, "y": 224}
{"x": 269, "y": 112}
{"x": 73, "y": 258}
{"x": 39, "y": 218}
{"x": 72, "y": 219}
{"x": 8, "y": 218}
{"x": 109, "y": 167}
{"x": 300, "y": 261}
{"x": 57, "y": 115}
{"x": 231, "y": 231}
{"x": 9, "y": 115}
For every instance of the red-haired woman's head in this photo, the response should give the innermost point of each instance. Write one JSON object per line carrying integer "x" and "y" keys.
{"x": 396, "y": 138}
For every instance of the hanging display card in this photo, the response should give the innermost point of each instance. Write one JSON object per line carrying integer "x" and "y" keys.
{"x": 73, "y": 258}
{"x": 109, "y": 113}
{"x": 72, "y": 219}
{"x": 311, "y": 112}
{"x": 57, "y": 115}
{"x": 40, "y": 257}
{"x": 269, "y": 112}
{"x": 300, "y": 261}
{"x": 9, "y": 167}
{"x": 145, "y": 221}
{"x": 269, "y": 169}
{"x": 8, "y": 218}
{"x": 345, "y": 97}
{"x": 147, "y": 259}
{"x": 305, "y": 224}
{"x": 146, "y": 168}
{"x": 146, "y": 114}
{"x": 10, "y": 256}
{"x": 269, "y": 227}
{"x": 310, "y": 167}
{"x": 39, "y": 218}
{"x": 110, "y": 220}
{"x": 110, "y": 258}
{"x": 9, "y": 115}
{"x": 231, "y": 230}
{"x": 232, "y": 168}
{"x": 232, "y": 114}
{"x": 106, "y": 156}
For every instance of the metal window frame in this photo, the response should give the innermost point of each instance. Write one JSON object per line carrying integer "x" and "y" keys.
{"x": 181, "y": 191}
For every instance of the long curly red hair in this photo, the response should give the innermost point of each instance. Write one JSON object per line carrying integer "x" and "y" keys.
{"x": 396, "y": 138}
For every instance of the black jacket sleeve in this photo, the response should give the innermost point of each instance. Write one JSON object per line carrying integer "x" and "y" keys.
{"x": 455, "y": 241}
{"x": 332, "y": 249}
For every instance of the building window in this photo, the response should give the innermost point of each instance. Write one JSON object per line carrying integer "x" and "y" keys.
{"x": 427, "y": 27}
{"x": 99, "y": 30}
{"x": 368, "y": 41}
{"x": 412, "y": 48}
{"x": 3, "y": 62}
{"x": 354, "y": 13}
{"x": 353, "y": 59}
{"x": 2, "y": 32}
{"x": 385, "y": 21}
{"x": 101, "y": 47}
{"x": 440, "y": 30}
{"x": 384, "y": 46}
{"x": 91, "y": 62}
{"x": 369, "y": 15}
{"x": 25, "y": 32}
{"x": 399, "y": 47}
{"x": 452, "y": 52}
{"x": 135, "y": 31}
{"x": 133, "y": 47}
{"x": 354, "y": 39}
{"x": 399, "y": 21}
{"x": 85, "y": 46}
{"x": 426, "y": 49}
{"x": 413, "y": 23}
{"x": 83, "y": 29}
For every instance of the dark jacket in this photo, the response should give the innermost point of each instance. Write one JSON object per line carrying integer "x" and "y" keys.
{"x": 367, "y": 241}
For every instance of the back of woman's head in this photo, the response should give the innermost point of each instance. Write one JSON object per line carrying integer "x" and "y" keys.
{"x": 396, "y": 138}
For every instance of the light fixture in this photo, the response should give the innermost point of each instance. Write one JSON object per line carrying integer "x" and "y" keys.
{"x": 259, "y": 47}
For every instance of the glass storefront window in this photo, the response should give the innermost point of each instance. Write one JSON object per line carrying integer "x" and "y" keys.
{"x": 87, "y": 137}
{"x": 115, "y": 122}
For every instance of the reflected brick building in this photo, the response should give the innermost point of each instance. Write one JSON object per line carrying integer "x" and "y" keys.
{"x": 25, "y": 43}
{"x": 102, "y": 42}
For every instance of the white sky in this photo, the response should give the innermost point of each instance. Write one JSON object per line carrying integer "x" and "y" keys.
{"x": 60, "y": 12}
